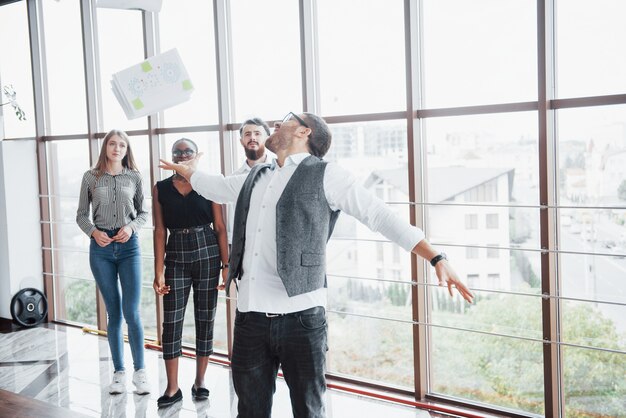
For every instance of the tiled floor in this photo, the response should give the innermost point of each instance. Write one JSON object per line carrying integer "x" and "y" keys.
{"x": 66, "y": 367}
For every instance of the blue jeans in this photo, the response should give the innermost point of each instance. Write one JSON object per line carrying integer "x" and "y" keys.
{"x": 298, "y": 343}
{"x": 107, "y": 264}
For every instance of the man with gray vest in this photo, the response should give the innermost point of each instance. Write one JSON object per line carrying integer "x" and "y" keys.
{"x": 284, "y": 216}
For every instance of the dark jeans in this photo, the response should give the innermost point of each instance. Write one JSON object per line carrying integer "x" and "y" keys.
{"x": 298, "y": 343}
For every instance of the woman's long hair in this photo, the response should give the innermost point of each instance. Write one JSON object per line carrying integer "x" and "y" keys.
{"x": 128, "y": 161}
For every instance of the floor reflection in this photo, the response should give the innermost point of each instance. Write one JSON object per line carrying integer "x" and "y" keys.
{"x": 63, "y": 366}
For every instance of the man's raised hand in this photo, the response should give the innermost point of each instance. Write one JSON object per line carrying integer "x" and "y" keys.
{"x": 184, "y": 168}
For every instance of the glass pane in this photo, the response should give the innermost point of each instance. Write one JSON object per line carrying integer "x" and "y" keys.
{"x": 16, "y": 69}
{"x": 119, "y": 49}
{"x": 67, "y": 162}
{"x": 387, "y": 300}
{"x": 594, "y": 277}
{"x": 64, "y": 62}
{"x": 141, "y": 153}
{"x": 593, "y": 381}
{"x": 590, "y": 43}
{"x": 592, "y": 156}
{"x": 479, "y": 52}
{"x": 483, "y": 314}
{"x": 266, "y": 58}
{"x": 593, "y": 231}
{"x": 592, "y": 146}
{"x": 475, "y": 161}
{"x": 598, "y": 325}
{"x": 361, "y": 56}
{"x": 64, "y": 208}
{"x": 72, "y": 262}
{"x": 592, "y": 170}
{"x": 481, "y": 225}
{"x": 146, "y": 243}
{"x": 371, "y": 349}
{"x": 360, "y": 258}
{"x": 67, "y": 235}
{"x": 483, "y": 159}
{"x": 503, "y": 372}
{"x": 362, "y": 148}
{"x": 197, "y": 51}
{"x": 80, "y": 300}
{"x": 74, "y": 286}
{"x": 148, "y": 305}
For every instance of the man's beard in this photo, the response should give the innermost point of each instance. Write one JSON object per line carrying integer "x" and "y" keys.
{"x": 254, "y": 155}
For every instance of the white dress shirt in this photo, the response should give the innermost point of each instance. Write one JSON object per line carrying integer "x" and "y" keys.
{"x": 260, "y": 287}
{"x": 230, "y": 207}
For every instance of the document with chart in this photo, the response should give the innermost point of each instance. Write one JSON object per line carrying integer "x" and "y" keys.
{"x": 152, "y": 85}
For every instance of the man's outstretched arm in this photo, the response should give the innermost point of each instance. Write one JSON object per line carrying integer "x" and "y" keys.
{"x": 214, "y": 187}
{"x": 344, "y": 192}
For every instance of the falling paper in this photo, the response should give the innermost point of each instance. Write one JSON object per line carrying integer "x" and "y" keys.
{"x": 152, "y": 85}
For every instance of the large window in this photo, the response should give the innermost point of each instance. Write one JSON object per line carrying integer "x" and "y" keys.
{"x": 15, "y": 69}
{"x": 592, "y": 169}
{"x": 197, "y": 51}
{"x": 64, "y": 62}
{"x": 119, "y": 49}
{"x": 511, "y": 162}
{"x": 479, "y": 52}
{"x": 587, "y": 44}
{"x": 75, "y": 289}
{"x": 267, "y": 78}
{"x": 369, "y": 288}
{"x": 361, "y": 68}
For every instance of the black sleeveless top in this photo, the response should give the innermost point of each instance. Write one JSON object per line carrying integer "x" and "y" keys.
{"x": 183, "y": 211}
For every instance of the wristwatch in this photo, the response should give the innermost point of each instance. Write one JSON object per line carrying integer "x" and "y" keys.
{"x": 438, "y": 258}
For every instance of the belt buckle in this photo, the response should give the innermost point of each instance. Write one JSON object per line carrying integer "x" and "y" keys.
{"x": 273, "y": 315}
{"x": 185, "y": 230}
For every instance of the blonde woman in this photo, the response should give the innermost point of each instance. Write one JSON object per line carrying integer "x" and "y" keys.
{"x": 113, "y": 189}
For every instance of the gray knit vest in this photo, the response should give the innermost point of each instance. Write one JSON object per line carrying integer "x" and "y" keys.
{"x": 304, "y": 223}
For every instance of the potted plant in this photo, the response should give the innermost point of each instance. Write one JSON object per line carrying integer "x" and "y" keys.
{"x": 9, "y": 92}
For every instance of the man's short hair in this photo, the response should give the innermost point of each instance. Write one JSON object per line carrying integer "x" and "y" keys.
{"x": 257, "y": 122}
{"x": 320, "y": 137}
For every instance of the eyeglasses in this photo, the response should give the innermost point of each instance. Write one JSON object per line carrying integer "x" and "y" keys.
{"x": 179, "y": 153}
{"x": 298, "y": 118}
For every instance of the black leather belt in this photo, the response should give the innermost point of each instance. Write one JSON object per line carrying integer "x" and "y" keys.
{"x": 190, "y": 230}
{"x": 309, "y": 311}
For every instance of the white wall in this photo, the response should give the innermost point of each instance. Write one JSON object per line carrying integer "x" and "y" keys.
{"x": 20, "y": 231}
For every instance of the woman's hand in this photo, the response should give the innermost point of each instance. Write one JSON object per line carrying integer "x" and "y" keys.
{"x": 101, "y": 238}
{"x": 123, "y": 234}
{"x": 222, "y": 285}
{"x": 159, "y": 285}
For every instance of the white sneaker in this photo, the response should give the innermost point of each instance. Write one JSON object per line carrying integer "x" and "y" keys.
{"x": 118, "y": 385}
{"x": 141, "y": 382}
